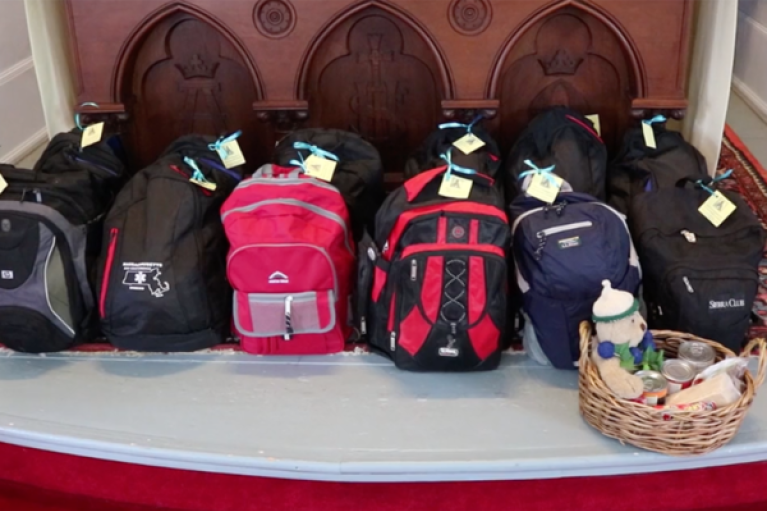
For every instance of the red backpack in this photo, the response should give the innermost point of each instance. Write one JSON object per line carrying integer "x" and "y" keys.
{"x": 290, "y": 263}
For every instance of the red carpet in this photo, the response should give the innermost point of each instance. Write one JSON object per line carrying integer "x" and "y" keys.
{"x": 32, "y": 480}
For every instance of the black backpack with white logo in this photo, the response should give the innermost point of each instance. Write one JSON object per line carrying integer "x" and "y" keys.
{"x": 50, "y": 231}
{"x": 566, "y": 139}
{"x": 697, "y": 278}
{"x": 162, "y": 280}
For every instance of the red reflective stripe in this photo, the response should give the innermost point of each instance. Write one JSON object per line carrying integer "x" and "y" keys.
{"x": 477, "y": 288}
{"x": 431, "y": 291}
{"x": 108, "y": 271}
{"x": 484, "y": 337}
{"x": 451, "y": 207}
{"x": 379, "y": 282}
{"x": 442, "y": 230}
{"x": 414, "y": 330}
{"x": 585, "y": 126}
{"x": 179, "y": 171}
{"x": 474, "y": 231}
{"x": 415, "y": 185}
{"x": 435, "y": 247}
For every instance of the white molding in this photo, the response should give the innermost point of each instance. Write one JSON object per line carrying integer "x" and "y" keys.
{"x": 16, "y": 70}
{"x": 25, "y": 148}
{"x": 750, "y": 97}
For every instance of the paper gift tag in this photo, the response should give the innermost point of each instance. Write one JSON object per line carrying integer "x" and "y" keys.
{"x": 595, "y": 121}
{"x": 455, "y": 187}
{"x": 543, "y": 189}
{"x": 204, "y": 184}
{"x": 649, "y": 135}
{"x": 469, "y": 143}
{"x": 717, "y": 208}
{"x": 231, "y": 154}
{"x": 92, "y": 134}
{"x": 3, "y": 184}
{"x": 320, "y": 168}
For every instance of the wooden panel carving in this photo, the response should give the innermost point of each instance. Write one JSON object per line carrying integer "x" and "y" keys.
{"x": 568, "y": 58}
{"x": 375, "y": 76}
{"x": 470, "y": 17}
{"x": 185, "y": 77}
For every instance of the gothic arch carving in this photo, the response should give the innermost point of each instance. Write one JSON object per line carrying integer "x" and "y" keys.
{"x": 445, "y": 77}
{"x": 376, "y": 72}
{"x": 567, "y": 53}
{"x": 145, "y": 26}
{"x": 183, "y": 72}
{"x": 628, "y": 46}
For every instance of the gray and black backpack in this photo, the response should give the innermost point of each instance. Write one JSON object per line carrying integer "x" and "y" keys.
{"x": 50, "y": 229}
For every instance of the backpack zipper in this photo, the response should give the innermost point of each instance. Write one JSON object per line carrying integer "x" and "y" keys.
{"x": 393, "y": 341}
{"x": 108, "y": 271}
{"x": 688, "y": 285}
{"x": 413, "y": 270}
{"x": 689, "y": 236}
{"x": 566, "y": 227}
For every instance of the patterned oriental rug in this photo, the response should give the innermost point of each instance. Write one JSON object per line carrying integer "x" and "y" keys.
{"x": 749, "y": 178}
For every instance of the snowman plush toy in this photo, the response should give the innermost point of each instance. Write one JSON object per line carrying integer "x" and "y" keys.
{"x": 623, "y": 343}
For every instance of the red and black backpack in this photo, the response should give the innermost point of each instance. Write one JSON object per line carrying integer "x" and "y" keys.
{"x": 437, "y": 287}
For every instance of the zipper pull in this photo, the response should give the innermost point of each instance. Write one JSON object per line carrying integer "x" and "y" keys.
{"x": 288, "y": 319}
{"x": 689, "y": 236}
{"x": 363, "y": 326}
{"x": 541, "y": 245}
{"x": 393, "y": 341}
{"x": 688, "y": 285}
{"x": 413, "y": 270}
{"x": 38, "y": 195}
{"x": 453, "y": 329}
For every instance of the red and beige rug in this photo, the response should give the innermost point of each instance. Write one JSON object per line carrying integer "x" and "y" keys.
{"x": 749, "y": 178}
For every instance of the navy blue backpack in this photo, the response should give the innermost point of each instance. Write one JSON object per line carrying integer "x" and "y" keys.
{"x": 563, "y": 252}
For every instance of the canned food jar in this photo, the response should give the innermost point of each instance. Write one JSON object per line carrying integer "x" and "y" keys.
{"x": 698, "y": 354}
{"x": 655, "y": 387}
{"x": 679, "y": 374}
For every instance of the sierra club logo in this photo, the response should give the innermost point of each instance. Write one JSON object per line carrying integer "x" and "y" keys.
{"x": 732, "y": 303}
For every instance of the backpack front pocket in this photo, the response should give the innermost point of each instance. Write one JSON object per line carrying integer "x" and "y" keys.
{"x": 450, "y": 309}
{"x": 711, "y": 303}
{"x": 284, "y": 315}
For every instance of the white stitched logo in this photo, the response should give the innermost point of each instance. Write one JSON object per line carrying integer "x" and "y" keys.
{"x": 278, "y": 278}
{"x": 726, "y": 304}
{"x": 6, "y": 275}
{"x": 145, "y": 277}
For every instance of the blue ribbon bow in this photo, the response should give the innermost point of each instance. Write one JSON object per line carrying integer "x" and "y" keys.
{"x": 451, "y": 167}
{"x": 77, "y": 115}
{"x": 316, "y": 151}
{"x": 468, "y": 127}
{"x": 546, "y": 172}
{"x": 657, "y": 118}
{"x": 720, "y": 177}
{"x": 300, "y": 164}
{"x": 219, "y": 144}
{"x": 198, "y": 175}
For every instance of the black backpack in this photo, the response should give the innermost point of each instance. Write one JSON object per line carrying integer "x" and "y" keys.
{"x": 564, "y": 138}
{"x": 638, "y": 168}
{"x": 435, "y": 275}
{"x": 50, "y": 234}
{"x": 697, "y": 278}
{"x": 358, "y": 175}
{"x": 162, "y": 279}
{"x": 486, "y": 159}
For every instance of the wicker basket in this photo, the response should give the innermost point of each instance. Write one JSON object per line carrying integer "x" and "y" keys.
{"x": 641, "y": 425}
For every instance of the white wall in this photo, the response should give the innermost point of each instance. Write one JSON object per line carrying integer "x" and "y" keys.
{"x": 22, "y": 124}
{"x": 750, "y": 76}
{"x": 710, "y": 76}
